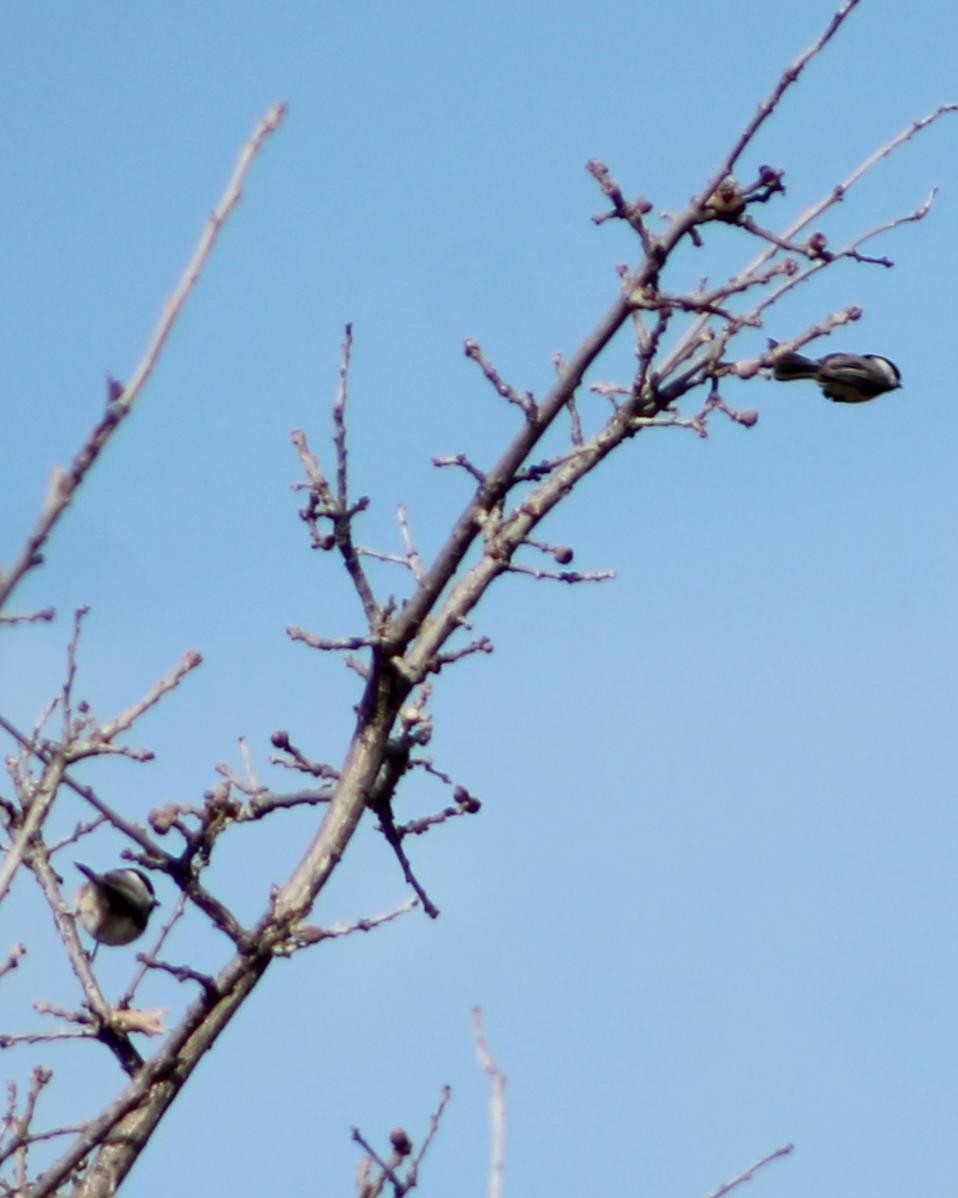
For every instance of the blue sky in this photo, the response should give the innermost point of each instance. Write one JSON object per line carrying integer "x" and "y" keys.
{"x": 708, "y": 904}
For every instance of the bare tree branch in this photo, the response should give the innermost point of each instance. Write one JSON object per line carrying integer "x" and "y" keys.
{"x": 787, "y": 79}
{"x": 750, "y": 1172}
{"x": 313, "y": 935}
{"x": 45, "y": 615}
{"x": 128, "y": 718}
{"x": 525, "y": 402}
{"x": 497, "y": 1107}
{"x": 119, "y": 405}
{"x": 403, "y": 643}
{"x": 14, "y": 957}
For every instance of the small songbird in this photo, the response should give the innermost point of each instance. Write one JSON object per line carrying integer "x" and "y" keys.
{"x": 115, "y": 907}
{"x": 845, "y": 378}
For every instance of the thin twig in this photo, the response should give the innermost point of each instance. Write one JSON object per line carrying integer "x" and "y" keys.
{"x": 148, "y": 960}
{"x": 182, "y": 973}
{"x": 621, "y": 209}
{"x": 323, "y": 505}
{"x": 418, "y": 827}
{"x": 379, "y": 556}
{"x": 51, "y": 760}
{"x": 40, "y": 802}
{"x": 329, "y": 644}
{"x": 126, "y": 719}
{"x": 523, "y": 401}
{"x": 691, "y": 339}
{"x": 387, "y": 824}
{"x": 848, "y": 251}
{"x": 22, "y": 1137}
{"x": 339, "y": 420}
{"x": 750, "y": 1172}
{"x": 460, "y": 459}
{"x": 412, "y": 1173}
{"x": 569, "y": 576}
{"x": 412, "y": 553}
{"x": 81, "y": 831}
{"x": 388, "y": 1167}
{"x": 13, "y": 959}
{"x": 37, "y": 1137}
{"x": 72, "y": 647}
{"x": 837, "y": 194}
{"x": 787, "y": 79}
{"x": 317, "y": 769}
{"x": 9, "y": 1039}
{"x": 313, "y": 934}
{"x": 66, "y": 482}
{"x": 95, "y": 1002}
{"x": 497, "y": 1107}
{"x": 45, "y": 614}
{"x": 482, "y": 645}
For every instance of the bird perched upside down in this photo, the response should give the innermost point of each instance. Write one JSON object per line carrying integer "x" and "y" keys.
{"x": 845, "y": 378}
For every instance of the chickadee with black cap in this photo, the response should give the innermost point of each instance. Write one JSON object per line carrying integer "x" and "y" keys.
{"x": 115, "y": 907}
{"x": 845, "y": 378}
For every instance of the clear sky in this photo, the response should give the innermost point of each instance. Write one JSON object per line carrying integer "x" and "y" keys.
{"x": 709, "y": 903}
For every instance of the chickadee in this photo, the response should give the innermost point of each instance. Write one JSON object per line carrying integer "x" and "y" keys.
{"x": 115, "y": 907}
{"x": 845, "y": 378}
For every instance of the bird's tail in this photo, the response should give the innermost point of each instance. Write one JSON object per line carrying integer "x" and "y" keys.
{"x": 791, "y": 366}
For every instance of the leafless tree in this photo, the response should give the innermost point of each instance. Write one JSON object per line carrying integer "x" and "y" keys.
{"x": 684, "y": 351}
